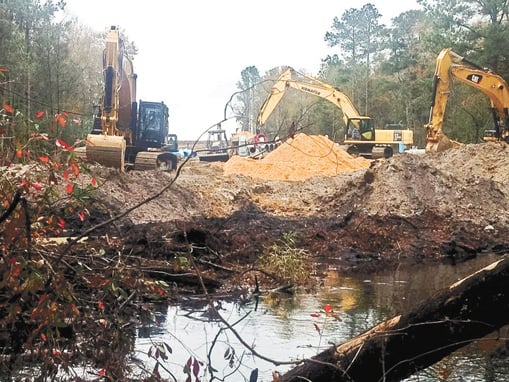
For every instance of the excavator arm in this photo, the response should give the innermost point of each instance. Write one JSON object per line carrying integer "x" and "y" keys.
{"x": 361, "y": 137}
{"x": 119, "y": 88}
{"x": 308, "y": 85}
{"x": 358, "y": 127}
{"x": 113, "y": 125}
{"x": 451, "y": 66}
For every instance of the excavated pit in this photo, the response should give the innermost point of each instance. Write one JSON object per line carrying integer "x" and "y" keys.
{"x": 359, "y": 214}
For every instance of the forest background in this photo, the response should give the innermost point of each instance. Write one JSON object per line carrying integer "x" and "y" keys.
{"x": 50, "y": 77}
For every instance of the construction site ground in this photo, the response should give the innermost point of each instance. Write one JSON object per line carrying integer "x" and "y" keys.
{"x": 357, "y": 214}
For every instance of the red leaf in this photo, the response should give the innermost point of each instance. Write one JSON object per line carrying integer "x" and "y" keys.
{"x": 37, "y": 186}
{"x": 61, "y": 143}
{"x": 43, "y": 336}
{"x": 102, "y": 373}
{"x": 8, "y": 108}
{"x": 81, "y": 215}
{"x": 59, "y": 118}
{"x": 16, "y": 271}
{"x": 315, "y": 314}
{"x": 4, "y": 70}
{"x": 61, "y": 223}
{"x": 65, "y": 174}
{"x": 39, "y": 114}
{"x": 75, "y": 169}
{"x": 44, "y": 158}
{"x": 69, "y": 188}
{"x": 19, "y": 154}
{"x": 100, "y": 304}
{"x": 75, "y": 309}
{"x": 93, "y": 181}
{"x": 328, "y": 308}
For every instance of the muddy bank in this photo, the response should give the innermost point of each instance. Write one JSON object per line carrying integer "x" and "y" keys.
{"x": 442, "y": 206}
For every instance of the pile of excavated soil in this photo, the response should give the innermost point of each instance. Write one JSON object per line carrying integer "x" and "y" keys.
{"x": 416, "y": 206}
{"x": 297, "y": 159}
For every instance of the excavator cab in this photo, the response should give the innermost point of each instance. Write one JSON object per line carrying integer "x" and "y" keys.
{"x": 152, "y": 126}
{"x": 360, "y": 129}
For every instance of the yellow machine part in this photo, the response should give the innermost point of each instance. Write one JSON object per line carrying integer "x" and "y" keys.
{"x": 394, "y": 136}
{"x": 442, "y": 143}
{"x": 106, "y": 150}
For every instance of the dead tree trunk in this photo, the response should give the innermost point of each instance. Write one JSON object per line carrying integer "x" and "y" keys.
{"x": 395, "y": 349}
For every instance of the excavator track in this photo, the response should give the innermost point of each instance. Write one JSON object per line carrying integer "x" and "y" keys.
{"x": 106, "y": 150}
{"x": 155, "y": 160}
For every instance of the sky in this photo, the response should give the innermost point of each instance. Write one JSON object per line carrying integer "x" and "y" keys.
{"x": 191, "y": 53}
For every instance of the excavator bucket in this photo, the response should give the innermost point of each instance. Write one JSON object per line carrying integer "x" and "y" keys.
{"x": 436, "y": 140}
{"x": 106, "y": 150}
{"x": 442, "y": 144}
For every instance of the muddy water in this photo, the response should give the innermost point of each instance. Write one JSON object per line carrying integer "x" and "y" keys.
{"x": 284, "y": 328}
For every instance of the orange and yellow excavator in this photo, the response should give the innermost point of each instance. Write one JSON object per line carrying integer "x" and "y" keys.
{"x": 361, "y": 137}
{"x": 449, "y": 66}
{"x": 126, "y": 135}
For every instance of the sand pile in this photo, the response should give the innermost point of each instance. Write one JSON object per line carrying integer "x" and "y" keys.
{"x": 297, "y": 159}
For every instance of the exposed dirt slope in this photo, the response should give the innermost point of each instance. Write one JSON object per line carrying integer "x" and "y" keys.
{"x": 451, "y": 204}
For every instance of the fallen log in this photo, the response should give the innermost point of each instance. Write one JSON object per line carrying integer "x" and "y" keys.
{"x": 398, "y": 347}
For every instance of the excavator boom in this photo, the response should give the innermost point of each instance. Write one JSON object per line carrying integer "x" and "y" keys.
{"x": 360, "y": 133}
{"x": 310, "y": 85}
{"x": 451, "y": 66}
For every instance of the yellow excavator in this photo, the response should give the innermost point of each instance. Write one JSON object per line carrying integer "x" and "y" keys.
{"x": 361, "y": 136}
{"x": 449, "y": 66}
{"x": 126, "y": 135}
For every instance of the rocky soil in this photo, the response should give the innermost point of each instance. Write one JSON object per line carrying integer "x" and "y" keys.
{"x": 448, "y": 206}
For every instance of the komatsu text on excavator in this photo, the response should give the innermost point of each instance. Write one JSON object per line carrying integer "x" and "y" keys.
{"x": 451, "y": 66}
{"x": 361, "y": 136}
{"x": 126, "y": 135}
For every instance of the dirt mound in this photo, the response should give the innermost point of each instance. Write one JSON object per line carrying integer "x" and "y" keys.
{"x": 467, "y": 183}
{"x": 421, "y": 206}
{"x": 298, "y": 159}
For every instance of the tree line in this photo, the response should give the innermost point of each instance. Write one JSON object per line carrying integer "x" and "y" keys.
{"x": 387, "y": 70}
{"x": 50, "y": 76}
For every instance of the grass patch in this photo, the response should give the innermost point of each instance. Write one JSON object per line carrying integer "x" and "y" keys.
{"x": 284, "y": 259}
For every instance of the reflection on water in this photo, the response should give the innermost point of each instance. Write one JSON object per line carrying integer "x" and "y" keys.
{"x": 284, "y": 328}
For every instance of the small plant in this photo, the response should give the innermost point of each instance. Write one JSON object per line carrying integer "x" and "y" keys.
{"x": 286, "y": 260}
{"x": 328, "y": 312}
